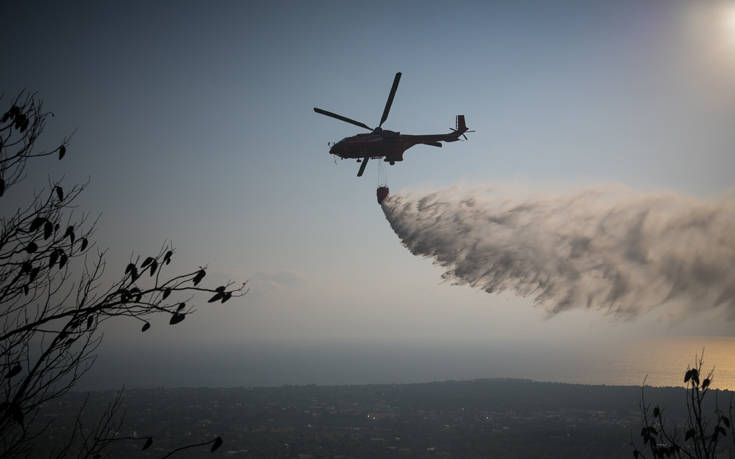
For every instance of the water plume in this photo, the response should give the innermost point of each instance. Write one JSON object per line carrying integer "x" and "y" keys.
{"x": 603, "y": 248}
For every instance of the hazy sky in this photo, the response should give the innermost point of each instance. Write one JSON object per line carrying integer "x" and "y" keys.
{"x": 194, "y": 122}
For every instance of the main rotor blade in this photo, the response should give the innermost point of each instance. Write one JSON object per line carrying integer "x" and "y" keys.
{"x": 342, "y": 118}
{"x": 389, "y": 102}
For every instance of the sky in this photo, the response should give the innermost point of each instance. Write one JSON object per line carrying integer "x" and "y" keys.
{"x": 193, "y": 122}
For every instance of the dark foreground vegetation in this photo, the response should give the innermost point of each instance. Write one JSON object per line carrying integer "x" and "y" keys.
{"x": 484, "y": 418}
{"x": 57, "y": 291}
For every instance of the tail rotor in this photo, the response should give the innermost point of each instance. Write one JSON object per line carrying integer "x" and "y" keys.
{"x": 461, "y": 127}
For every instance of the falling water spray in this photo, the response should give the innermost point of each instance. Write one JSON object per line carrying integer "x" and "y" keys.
{"x": 604, "y": 248}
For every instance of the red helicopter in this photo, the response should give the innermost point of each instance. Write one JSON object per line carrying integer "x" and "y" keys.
{"x": 382, "y": 143}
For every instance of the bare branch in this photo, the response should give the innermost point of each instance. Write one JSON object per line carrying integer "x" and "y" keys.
{"x": 53, "y": 299}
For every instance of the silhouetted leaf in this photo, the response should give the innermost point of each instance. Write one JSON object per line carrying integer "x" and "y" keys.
{"x": 218, "y": 296}
{"x": 14, "y": 370}
{"x": 220, "y": 289}
{"x": 722, "y": 431}
{"x": 2, "y": 187}
{"x": 62, "y": 151}
{"x": 26, "y": 290}
{"x": 90, "y": 321}
{"x": 31, "y": 247}
{"x": 21, "y": 122}
{"x": 177, "y": 317}
{"x": 181, "y": 306}
{"x": 687, "y": 375}
{"x": 36, "y": 223}
{"x": 146, "y": 326}
{"x": 52, "y": 258}
{"x": 48, "y": 228}
{"x": 636, "y": 454}
{"x": 26, "y": 267}
{"x": 726, "y": 421}
{"x": 167, "y": 257}
{"x": 166, "y": 293}
{"x": 148, "y": 443}
{"x": 154, "y": 265}
{"x": 132, "y": 270}
{"x": 226, "y": 296}
{"x": 216, "y": 444}
{"x": 695, "y": 376}
{"x": 84, "y": 243}
{"x": 70, "y": 233}
{"x": 136, "y": 294}
{"x": 689, "y": 434}
{"x": 34, "y": 273}
{"x": 18, "y": 122}
{"x": 656, "y": 412}
{"x": 146, "y": 262}
{"x": 199, "y": 276}
{"x": 59, "y": 192}
{"x": 62, "y": 259}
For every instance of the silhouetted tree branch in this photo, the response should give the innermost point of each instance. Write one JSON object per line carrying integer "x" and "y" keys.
{"x": 54, "y": 299}
{"x": 703, "y": 434}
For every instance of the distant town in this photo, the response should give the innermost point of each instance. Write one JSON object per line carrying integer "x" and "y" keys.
{"x": 500, "y": 418}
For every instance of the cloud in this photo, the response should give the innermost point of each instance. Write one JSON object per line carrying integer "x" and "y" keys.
{"x": 604, "y": 248}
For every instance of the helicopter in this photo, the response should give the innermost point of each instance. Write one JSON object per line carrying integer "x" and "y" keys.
{"x": 382, "y": 143}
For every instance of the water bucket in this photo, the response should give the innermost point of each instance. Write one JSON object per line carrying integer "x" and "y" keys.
{"x": 382, "y": 193}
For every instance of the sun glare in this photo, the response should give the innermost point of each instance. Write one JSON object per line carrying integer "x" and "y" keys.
{"x": 728, "y": 22}
{"x": 710, "y": 34}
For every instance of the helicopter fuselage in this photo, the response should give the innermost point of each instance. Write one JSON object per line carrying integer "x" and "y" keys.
{"x": 389, "y": 145}
{"x": 382, "y": 143}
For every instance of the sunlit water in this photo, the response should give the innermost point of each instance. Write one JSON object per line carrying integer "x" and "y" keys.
{"x": 663, "y": 362}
